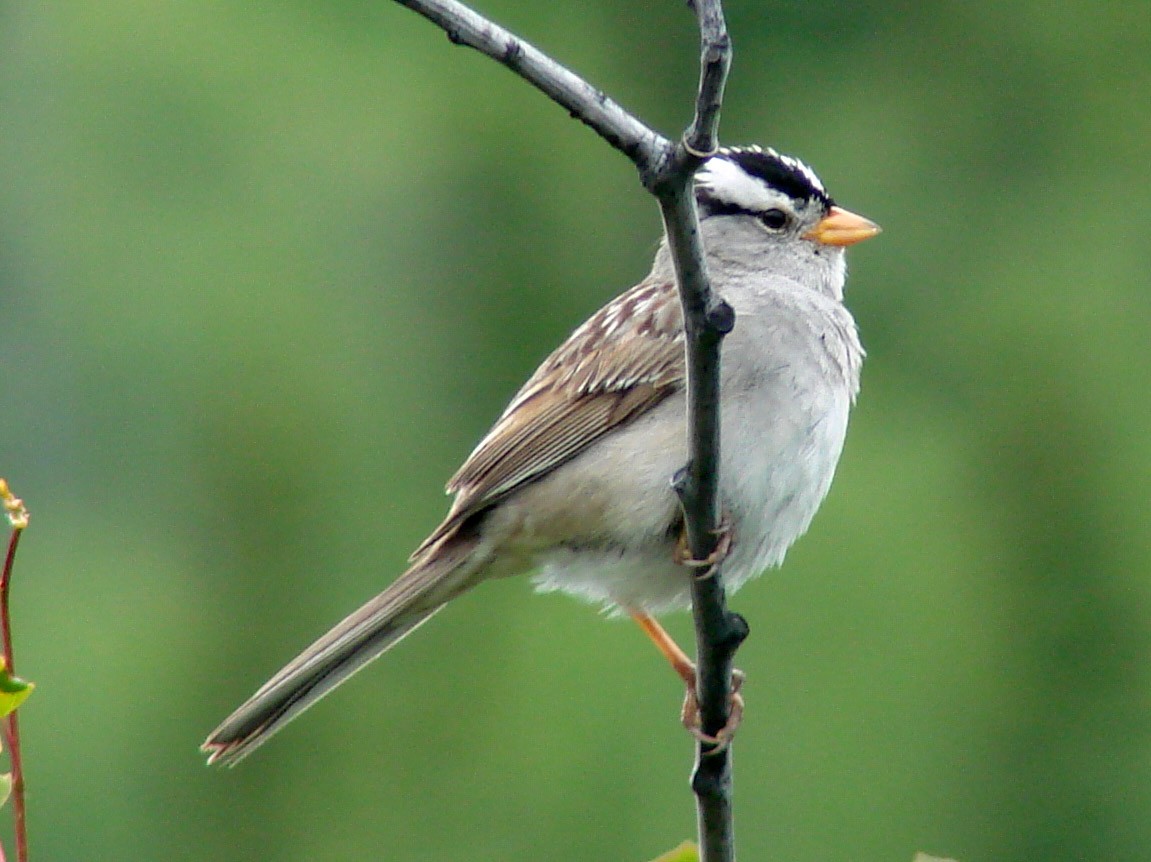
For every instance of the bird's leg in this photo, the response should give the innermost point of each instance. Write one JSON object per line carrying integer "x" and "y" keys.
{"x": 685, "y": 668}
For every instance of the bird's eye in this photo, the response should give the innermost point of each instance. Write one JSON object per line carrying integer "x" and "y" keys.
{"x": 775, "y": 219}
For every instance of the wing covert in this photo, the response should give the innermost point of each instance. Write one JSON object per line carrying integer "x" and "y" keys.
{"x": 623, "y": 361}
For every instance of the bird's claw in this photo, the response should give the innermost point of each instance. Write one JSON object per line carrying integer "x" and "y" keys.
{"x": 691, "y": 718}
{"x": 684, "y": 557}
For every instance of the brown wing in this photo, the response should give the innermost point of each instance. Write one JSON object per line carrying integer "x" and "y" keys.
{"x": 622, "y": 362}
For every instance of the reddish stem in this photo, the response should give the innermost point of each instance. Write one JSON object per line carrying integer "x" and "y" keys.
{"x": 5, "y": 583}
{"x": 11, "y": 727}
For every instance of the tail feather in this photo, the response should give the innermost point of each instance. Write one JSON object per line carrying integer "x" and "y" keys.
{"x": 364, "y": 635}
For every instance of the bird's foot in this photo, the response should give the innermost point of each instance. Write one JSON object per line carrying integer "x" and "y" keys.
{"x": 691, "y": 718}
{"x": 685, "y": 669}
{"x": 684, "y": 556}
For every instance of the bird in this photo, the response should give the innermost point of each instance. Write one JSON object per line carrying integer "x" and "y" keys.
{"x": 571, "y": 485}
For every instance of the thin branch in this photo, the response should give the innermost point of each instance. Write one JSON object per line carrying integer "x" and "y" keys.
{"x": 718, "y": 632}
{"x": 715, "y": 61}
{"x": 668, "y": 172}
{"x": 18, "y": 518}
{"x": 707, "y": 319}
{"x": 584, "y": 102}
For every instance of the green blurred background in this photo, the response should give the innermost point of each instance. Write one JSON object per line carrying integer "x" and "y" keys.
{"x": 268, "y": 271}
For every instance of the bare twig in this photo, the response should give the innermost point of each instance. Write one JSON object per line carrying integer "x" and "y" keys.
{"x": 707, "y": 319}
{"x": 715, "y": 60}
{"x": 667, "y": 171}
{"x": 18, "y": 518}
{"x": 464, "y": 26}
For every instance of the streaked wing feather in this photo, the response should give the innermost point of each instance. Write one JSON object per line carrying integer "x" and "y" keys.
{"x": 622, "y": 362}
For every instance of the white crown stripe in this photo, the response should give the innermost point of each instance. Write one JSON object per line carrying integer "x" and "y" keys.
{"x": 789, "y": 161}
{"x": 728, "y": 182}
{"x": 738, "y": 182}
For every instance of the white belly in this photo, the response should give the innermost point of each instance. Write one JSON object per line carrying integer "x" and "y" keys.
{"x": 769, "y": 499}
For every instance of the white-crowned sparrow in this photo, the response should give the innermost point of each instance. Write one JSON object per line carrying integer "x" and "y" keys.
{"x": 573, "y": 481}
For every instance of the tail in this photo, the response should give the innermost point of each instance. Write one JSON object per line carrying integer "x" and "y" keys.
{"x": 365, "y": 635}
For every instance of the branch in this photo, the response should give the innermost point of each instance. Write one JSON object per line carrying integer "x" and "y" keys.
{"x": 707, "y": 319}
{"x": 668, "y": 172}
{"x": 18, "y": 519}
{"x": 584, "y": 102}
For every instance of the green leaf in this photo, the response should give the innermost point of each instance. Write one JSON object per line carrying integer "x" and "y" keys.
{"x": 13, "y": 690}
{"x": 685, "y": 852}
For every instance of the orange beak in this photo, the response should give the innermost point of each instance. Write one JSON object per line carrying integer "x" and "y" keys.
{"x": 842, "y": 227}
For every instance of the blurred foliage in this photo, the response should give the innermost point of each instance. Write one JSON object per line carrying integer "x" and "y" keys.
{"x": 267, "y": 272}
{"x": 685, "y": 852}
